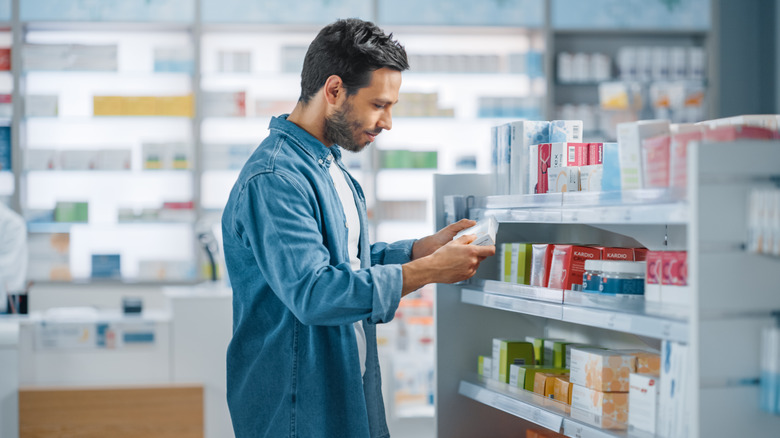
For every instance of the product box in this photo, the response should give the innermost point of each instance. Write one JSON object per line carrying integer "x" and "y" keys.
{"x": 640, "y": 254}
{"x": 501, "y": 157}
{"x": 608, "y": 410}
{"x": 678, "y": 155}
{"x": 175, "y": 106}
{"x": 562, "y": 389}
{"x": 523, "y": 376}
{"x": 576, "y": 154}
{"x": 505, "y": 263}
{"x": 653, "y": 276}
{"x": 656, "y": 161}
{"x": 647, "y": 362}
{"x": 114, "y": 159}
{"x": 485, "y": 366}
{"x": 485, "y": 230}
{"x": 523, "y": 134}
{"x": 541, "y": 258}
{"x": 621, "y": 254}
{"x": 508, "y": 352}
{"x": 520, "y": 263}
{"x": 224, "y": 104}
{"x": 643, "y": 395}
{"x": 551, "y": 155}
{"x": 570, "y": 347}
{"x": 674, "y": 277}
{"x": 78, "y": 159}
{"x": 673, "y": 415}
{"x": 610, "y": 175}
{"x": 544, "y": 383}
{"x": 106, "y": 266}
{"x": 563, "y": 179}
{"x": 565, "y": 131}
{"x": 602, "y": 370}
{"x": 769, "y": 121}
{"x": 543, "y": 349}
{"x": 139, "y": 106}
{"x": 5, "y": 58}
{"x": 41, "y": 105}
{"x": 630, "y": 137}
{"x": 533, "y": 169}
{"x": 107, "y": 105}
{"x": 590, "y": 178}
{"x": 568, "y": 265}
{"x": 543, "y": 433}
{"x": 559, "y": 353}
{"x": 735, "y": 132}
{"x": 595, "y": 153}
{"x": 41, "y": 159}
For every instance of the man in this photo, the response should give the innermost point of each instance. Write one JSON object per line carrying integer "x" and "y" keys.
{"x": 308, "y": 287}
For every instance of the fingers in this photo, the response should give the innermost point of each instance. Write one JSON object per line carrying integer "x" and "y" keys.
{"x": 465, "y": 239}
{"x": 462, "y": 225}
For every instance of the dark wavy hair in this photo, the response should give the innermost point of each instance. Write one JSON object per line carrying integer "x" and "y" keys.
{"x": 352, "y": 49}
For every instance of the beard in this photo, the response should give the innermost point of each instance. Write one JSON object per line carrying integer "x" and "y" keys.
{"x": 342, "y": 128}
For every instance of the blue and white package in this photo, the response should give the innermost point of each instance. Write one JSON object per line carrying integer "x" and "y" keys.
{"x": 770, "y": 370}
{"x": 565, "y": 131}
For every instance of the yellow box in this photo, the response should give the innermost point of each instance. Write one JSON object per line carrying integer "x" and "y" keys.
{"x": 107, "y": 105}
{"x": 647, "y": 362}
{"x": 139, "y": 106}
{"x": 544, "y": 383}
{"x": 175, "y": 106}
{"x": 606, "y": 409}
{"x": 602, "y": 370}
{"x": 562, "y": 389}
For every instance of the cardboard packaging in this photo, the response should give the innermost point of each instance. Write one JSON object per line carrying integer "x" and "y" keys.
{"x": 678, "y": 155}
{"x": 643, "y": 396}
{"x": 674, "y": 279}
{"x": 640, "y": 254}
{"x": 563, "y": 179}
{"x": 509, "y": 352}
{"x": 559, "y": 353}
{"x": 610, "y": 176}
{"x": 595, "y": 153}
{"x": 541, "y": 258}
{"x": 522, "y": 135}
{"x": 656, "y": 161}
{"x": 591, "y": 178}
{"x": 608, "y": 409}
{"x": 485, "y": 366}
{"x": 568, "y": 265}
{"x": 562, "y": 389}
{"x": 576, "y": 154}
{"x": 523, "y": 376}
{"x": 736, "y": 132}
{"x": 630, "y": 137}
{"x": 565, "y": 131}
{"x": 485, "y": 230}
{"x": 620, "y": 254}
{"x": 653, "y": 276}
{"x": 602, "y": 370}
{"x": 673, "y": 415}
{"x": 647, "y": 362}
{"x": 544, "y": 383}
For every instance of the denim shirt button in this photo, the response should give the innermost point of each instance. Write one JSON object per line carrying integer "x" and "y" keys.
{"x": 330, "y": 157}
{"x": 320, "y": 161}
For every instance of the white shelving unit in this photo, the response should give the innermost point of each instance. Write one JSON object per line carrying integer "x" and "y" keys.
{"x": 733, "y": 294}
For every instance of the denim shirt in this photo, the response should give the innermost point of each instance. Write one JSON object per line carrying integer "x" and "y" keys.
{"x": 292, "y": 364}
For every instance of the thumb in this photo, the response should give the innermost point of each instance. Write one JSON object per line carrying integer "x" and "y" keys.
{"x": 465, "y": 239}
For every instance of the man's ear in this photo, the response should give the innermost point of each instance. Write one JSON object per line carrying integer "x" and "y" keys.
{"x": 334, "y": 89}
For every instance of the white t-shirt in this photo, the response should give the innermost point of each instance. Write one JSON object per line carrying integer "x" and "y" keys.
{"x": 353, "y": 233}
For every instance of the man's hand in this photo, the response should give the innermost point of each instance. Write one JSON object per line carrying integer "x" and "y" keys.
{"x": 452, "y": 262}
{"x": 428, "y": 245}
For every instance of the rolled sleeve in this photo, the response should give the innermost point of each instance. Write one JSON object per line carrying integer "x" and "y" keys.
{"x": 392, "y": 253}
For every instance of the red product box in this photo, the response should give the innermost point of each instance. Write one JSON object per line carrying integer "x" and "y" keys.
{"x": 678, "y": 270}
{"x": 654, "y": 264}
{"x": 545, "y": 157}
{"x": 655, "y": 161}
{"x": 541, "y": 257}
{"x": 678, "y": 157}
{"x": 568, "y": 265}
{"x": 595, "y": 153}
{"x": 734, "y": 132}
{"x": 577, "y": 154}
{"x": 674, "y": 268}
{"x": 640, "y": 254}
{"x": 623, "y": 254}
{"x": 5, "y": 58}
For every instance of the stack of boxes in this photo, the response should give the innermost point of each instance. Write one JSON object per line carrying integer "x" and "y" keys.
{"x": 599, "y": 384}
{"x": 545, "y": 157}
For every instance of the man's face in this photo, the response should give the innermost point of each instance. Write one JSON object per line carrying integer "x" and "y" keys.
{"x": 356, "y": 122}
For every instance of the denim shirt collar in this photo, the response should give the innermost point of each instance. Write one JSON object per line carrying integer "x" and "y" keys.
{"x": 324, "y": 155}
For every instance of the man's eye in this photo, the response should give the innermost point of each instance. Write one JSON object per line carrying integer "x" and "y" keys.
{"x": 379, "y": 106}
